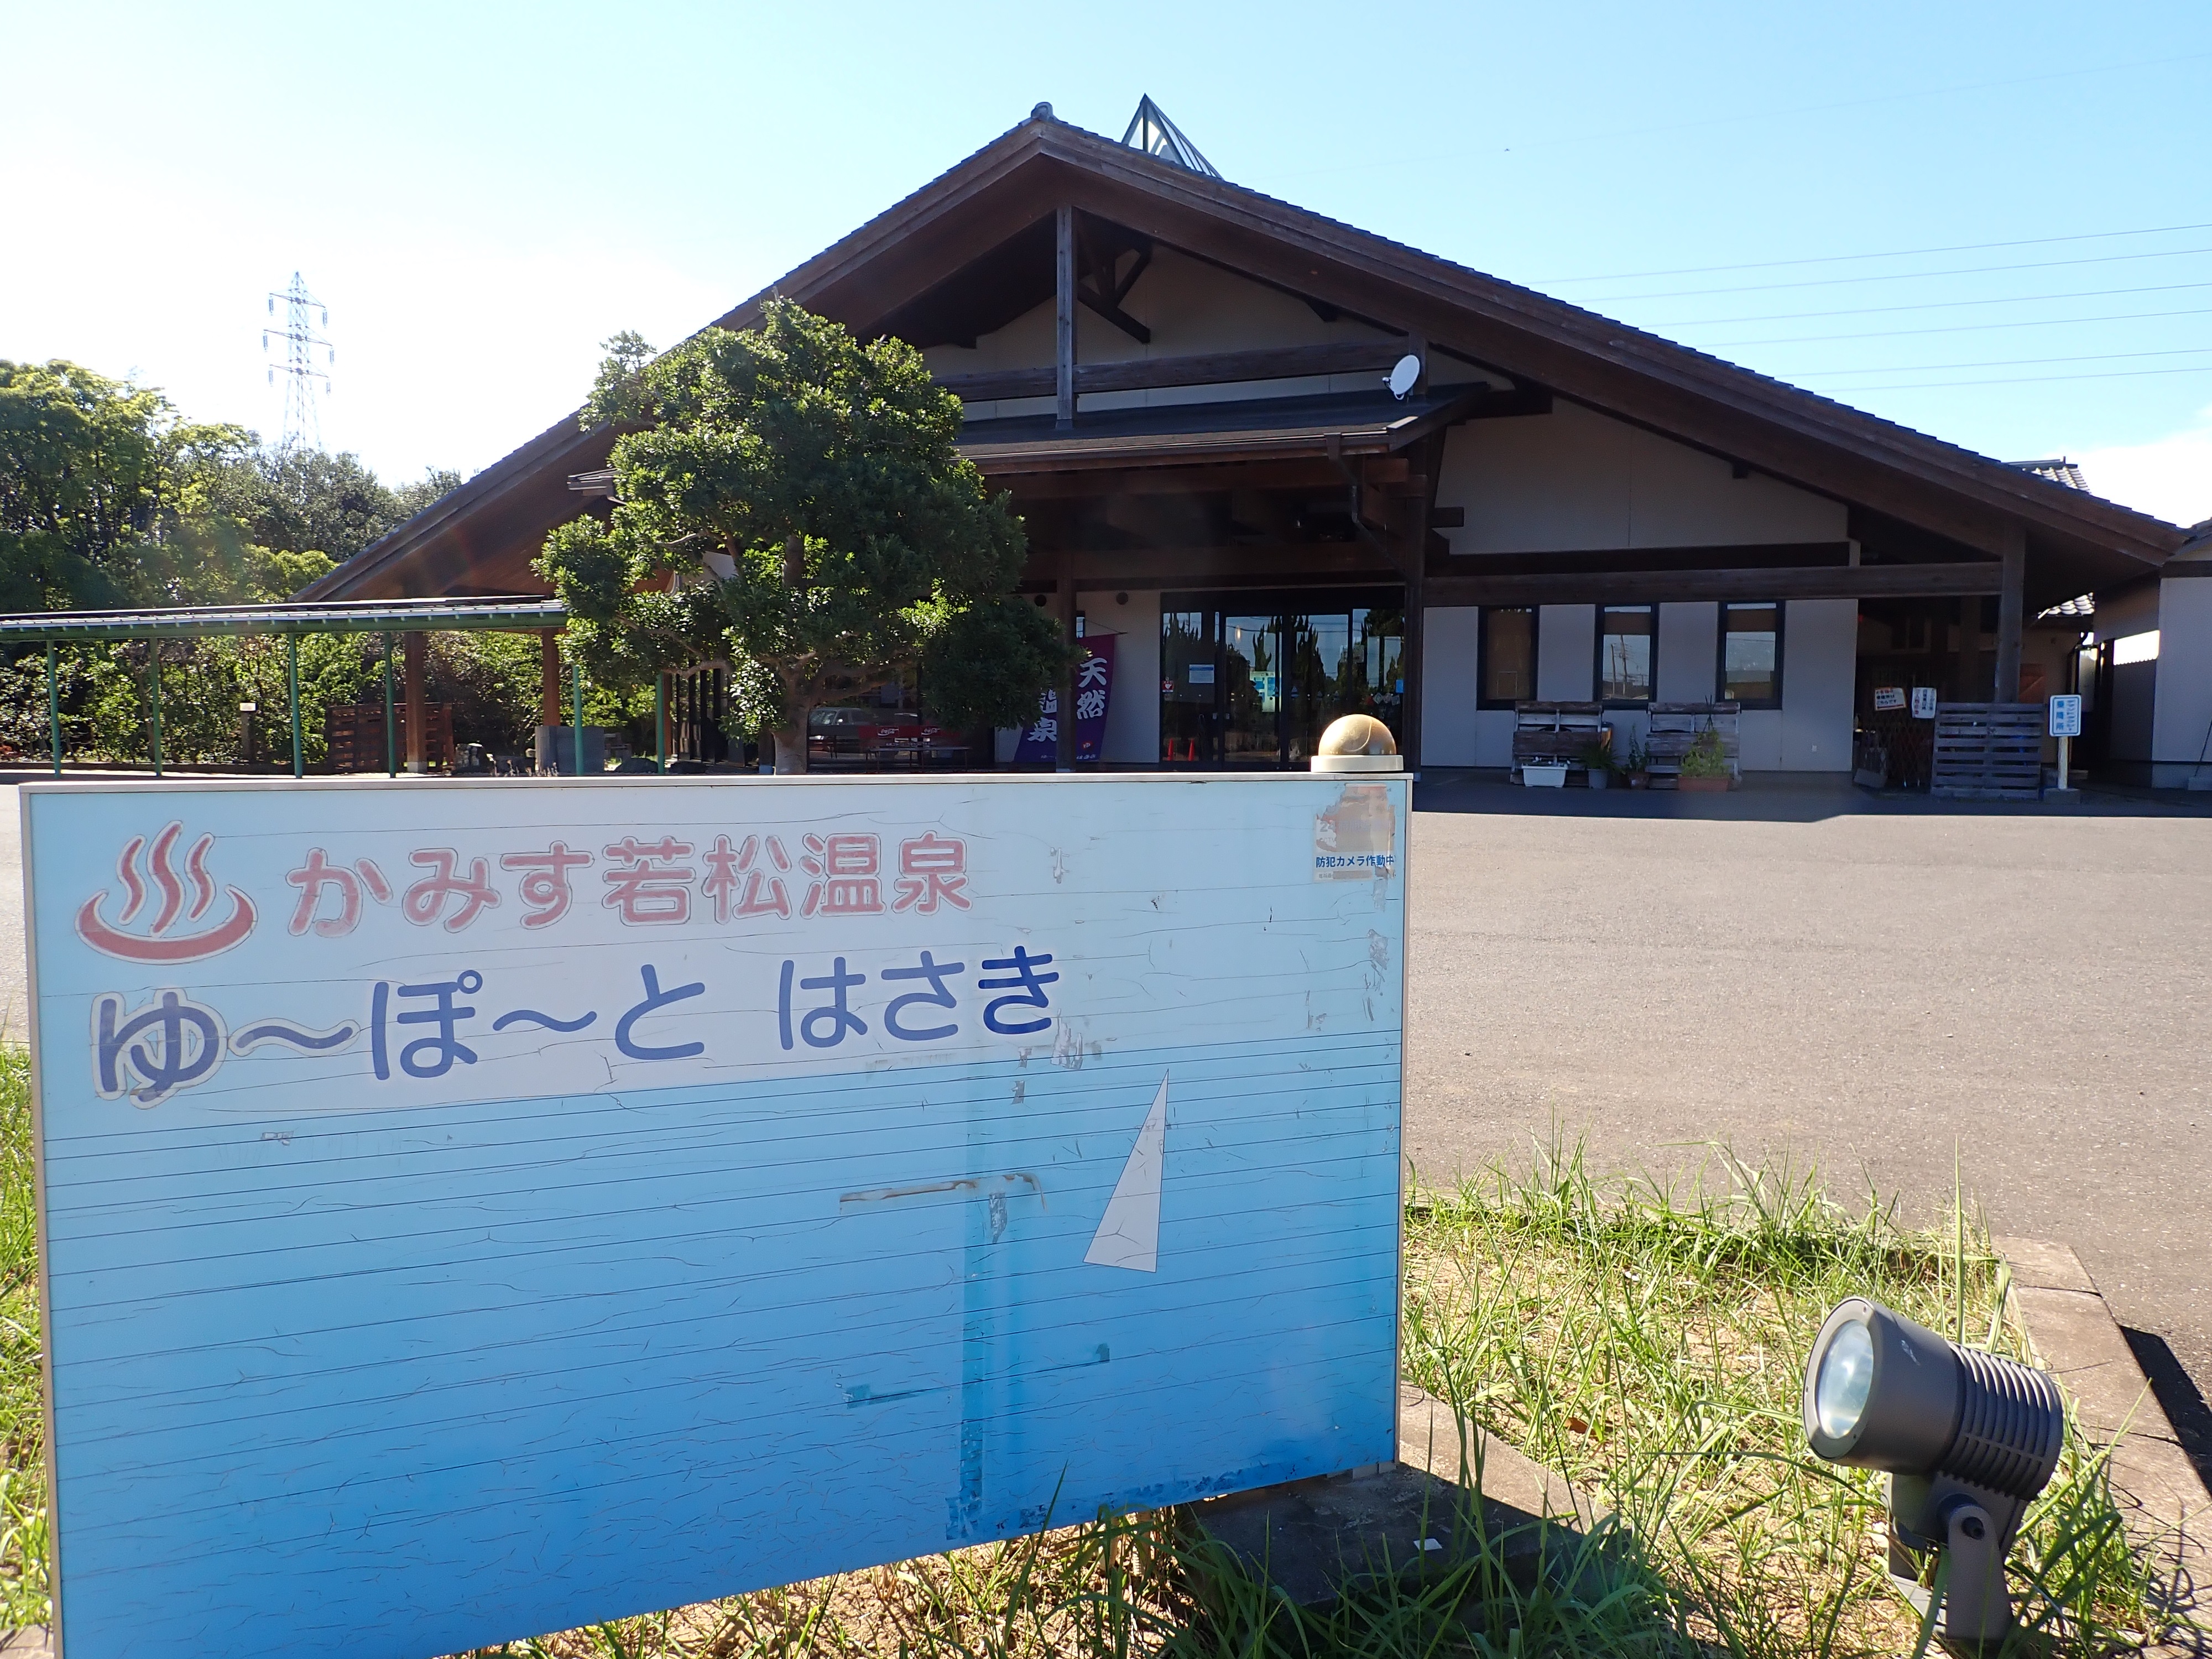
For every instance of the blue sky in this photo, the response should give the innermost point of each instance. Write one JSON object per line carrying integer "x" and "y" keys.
{"x": 1991, "y": 223}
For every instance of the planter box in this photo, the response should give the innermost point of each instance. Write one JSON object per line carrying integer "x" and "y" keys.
{"x": 1705, "y": 785}
{"x": 1545, "y": 777}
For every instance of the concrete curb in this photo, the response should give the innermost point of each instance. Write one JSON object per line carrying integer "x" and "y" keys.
{"x": 2072, "y": 1333}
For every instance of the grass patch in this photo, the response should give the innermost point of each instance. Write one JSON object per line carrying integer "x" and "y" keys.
{"x": 24, "y": 1599}
{"x": 1647, "y": 1341}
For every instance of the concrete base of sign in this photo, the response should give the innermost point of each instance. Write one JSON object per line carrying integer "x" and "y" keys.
{"x": 1357, "y": 763}
{"x": 1417, "y": 1515}
{"x": 2054, "y": 796}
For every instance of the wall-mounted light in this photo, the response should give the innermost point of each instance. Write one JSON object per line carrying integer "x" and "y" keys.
{"x": 1966, "y": 1437}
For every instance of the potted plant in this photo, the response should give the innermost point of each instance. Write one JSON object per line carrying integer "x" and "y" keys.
{"x": 1636, "y": 768}
{"x": 1705, "y": 766}
{"x": 1597, "y": 757}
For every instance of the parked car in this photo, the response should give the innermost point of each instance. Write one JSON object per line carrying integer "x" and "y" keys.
{"x": 878, "y": 737}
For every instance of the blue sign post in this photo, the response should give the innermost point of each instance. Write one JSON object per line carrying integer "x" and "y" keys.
{"x": 2065, "y": 726}
{"x": 474, "y": 1210}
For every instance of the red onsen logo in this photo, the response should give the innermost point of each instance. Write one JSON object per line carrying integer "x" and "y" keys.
{"x": 162, "y": 947}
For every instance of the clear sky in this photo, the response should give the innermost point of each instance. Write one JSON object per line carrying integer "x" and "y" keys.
{"x": 1991, "y": 222}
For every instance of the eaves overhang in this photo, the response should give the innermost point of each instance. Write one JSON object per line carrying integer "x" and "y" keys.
{"x": 1795, "y": 435}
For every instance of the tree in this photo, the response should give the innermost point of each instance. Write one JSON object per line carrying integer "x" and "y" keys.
{"x": 109, "y": 497}
{"x": 92, "y": 472}
{"x": 793, "y": 503}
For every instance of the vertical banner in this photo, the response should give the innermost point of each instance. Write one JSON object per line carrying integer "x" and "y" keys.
{"x": 1094, "y": 690}
{"x": 476, "y": 1209}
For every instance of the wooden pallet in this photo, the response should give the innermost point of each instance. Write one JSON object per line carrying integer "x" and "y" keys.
{"x": 354, "y": 731}
{"x": 1675, "y": 726}
{"x": 1547, "y": 733}
{"x": 1989, "y": 751}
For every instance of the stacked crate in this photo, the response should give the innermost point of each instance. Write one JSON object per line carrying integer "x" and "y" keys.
{"x": 1552, "y": 733}
{"x": 1989, "y": 751}
{"x": 1675, "y": 727}
{"x": 355, "y": 732}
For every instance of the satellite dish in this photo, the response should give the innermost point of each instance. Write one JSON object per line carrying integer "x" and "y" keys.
{"x": 1404, "y": 373}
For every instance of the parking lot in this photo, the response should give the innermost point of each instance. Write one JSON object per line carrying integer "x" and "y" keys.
{"x": 1819, "y": 975}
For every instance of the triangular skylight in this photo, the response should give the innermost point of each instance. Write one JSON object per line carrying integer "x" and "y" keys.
{"x": 1150, "y": 132}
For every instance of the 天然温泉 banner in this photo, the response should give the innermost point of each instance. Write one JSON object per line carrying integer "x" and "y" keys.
{"x": 477, "y": 1209}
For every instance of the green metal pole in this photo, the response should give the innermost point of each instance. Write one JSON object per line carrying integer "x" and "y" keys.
{"x": 660, "y": 720}
{"x": 154, "y": 687}
{"x": 576, "y": 714}
{"x": 299, "y": 754}
{"x": 390, "y": 735}
{"x": 54, "y": 709}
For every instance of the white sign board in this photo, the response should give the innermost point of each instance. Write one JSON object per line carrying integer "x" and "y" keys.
{"x": 1889, "y": 697}
{"x": 476, "y": 1209}
{"x": 1924, "y": 702}
{"x": 2066, "y": 715}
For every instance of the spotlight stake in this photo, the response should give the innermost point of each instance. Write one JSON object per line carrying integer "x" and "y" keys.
{"x": 1966, "y": 1437}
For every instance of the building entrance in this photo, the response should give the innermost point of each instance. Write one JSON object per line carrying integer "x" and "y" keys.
{"x": 1253, "y": 679}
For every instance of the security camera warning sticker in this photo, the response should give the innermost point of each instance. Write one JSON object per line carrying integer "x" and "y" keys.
{"x": 1357, "y": 839}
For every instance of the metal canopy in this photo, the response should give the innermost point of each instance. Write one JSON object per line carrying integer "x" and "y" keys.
{"x": 334, "y": 616}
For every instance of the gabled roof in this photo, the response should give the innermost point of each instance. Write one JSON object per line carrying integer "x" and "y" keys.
{"x": 484, "y": 532}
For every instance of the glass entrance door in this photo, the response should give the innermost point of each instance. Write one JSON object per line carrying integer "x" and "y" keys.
{"x": 1254, "y": 680}
{"x": 1252, "y": 702}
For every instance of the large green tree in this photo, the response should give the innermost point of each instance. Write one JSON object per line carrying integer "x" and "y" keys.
{"x": 108, "y": 496}
{"x": 791, "y": 501}
{"x": 92, "y": 472}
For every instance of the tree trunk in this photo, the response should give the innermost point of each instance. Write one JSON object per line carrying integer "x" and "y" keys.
{"x": 790, "y": 750}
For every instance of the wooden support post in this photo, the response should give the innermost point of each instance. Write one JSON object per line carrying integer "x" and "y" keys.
{"x": 1064, "y": 316}
{"x": 549, "y": 677}
{"x": 1409, "y": 664}
{"x": 418, "y": 752}
{"x": 1064, "y": 747}
{"x": 2012, "y": 597}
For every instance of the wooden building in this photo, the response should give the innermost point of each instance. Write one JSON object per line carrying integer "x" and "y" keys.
{"x": 1187, "y": 387}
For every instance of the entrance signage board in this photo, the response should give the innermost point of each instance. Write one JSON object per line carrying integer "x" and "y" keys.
{"x": 1889, "y": 697}
{"x": 473, "y": 1210}
{"x": 2066, "y": 715}
{"x": 1924, "y": 702}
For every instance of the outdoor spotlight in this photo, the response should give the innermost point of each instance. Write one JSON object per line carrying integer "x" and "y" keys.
{"x": 1967, "y": 1439}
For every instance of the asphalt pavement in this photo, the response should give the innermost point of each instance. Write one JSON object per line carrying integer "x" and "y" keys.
{"x": 1807, "y": 976}
{"x": 1819, "y": 977}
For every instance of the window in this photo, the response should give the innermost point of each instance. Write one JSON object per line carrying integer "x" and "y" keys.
{"x": 1751, "y": 655}
{"x": 1509, "y": 655}
{"x": 1627, "y": 648}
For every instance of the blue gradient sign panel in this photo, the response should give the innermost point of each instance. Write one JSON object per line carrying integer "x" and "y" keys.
{"x": 473, "y": 1210}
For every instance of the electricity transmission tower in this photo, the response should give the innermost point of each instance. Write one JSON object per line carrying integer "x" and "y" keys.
{"x": 301, "y": 423}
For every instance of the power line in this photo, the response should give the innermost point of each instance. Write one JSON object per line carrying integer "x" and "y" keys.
{"x": 1952, "y": 328}
{"x": 2023, "y": 380}
{"x": 2010, "y": 362}
{"x": 1935, "y": 305}
{"x": 1895, "y": 254}
{"x": 1898, "y": 275}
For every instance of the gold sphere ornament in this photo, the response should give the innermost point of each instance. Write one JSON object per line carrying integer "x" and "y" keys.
{"x": 1358, "y": 734}
{"x": 1356, "y": 743}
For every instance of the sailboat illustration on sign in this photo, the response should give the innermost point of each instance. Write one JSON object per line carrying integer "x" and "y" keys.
{"x": 1129, "y": 1234}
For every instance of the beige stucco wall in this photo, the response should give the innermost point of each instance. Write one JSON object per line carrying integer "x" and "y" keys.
{"x": 1575, "y": 479}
